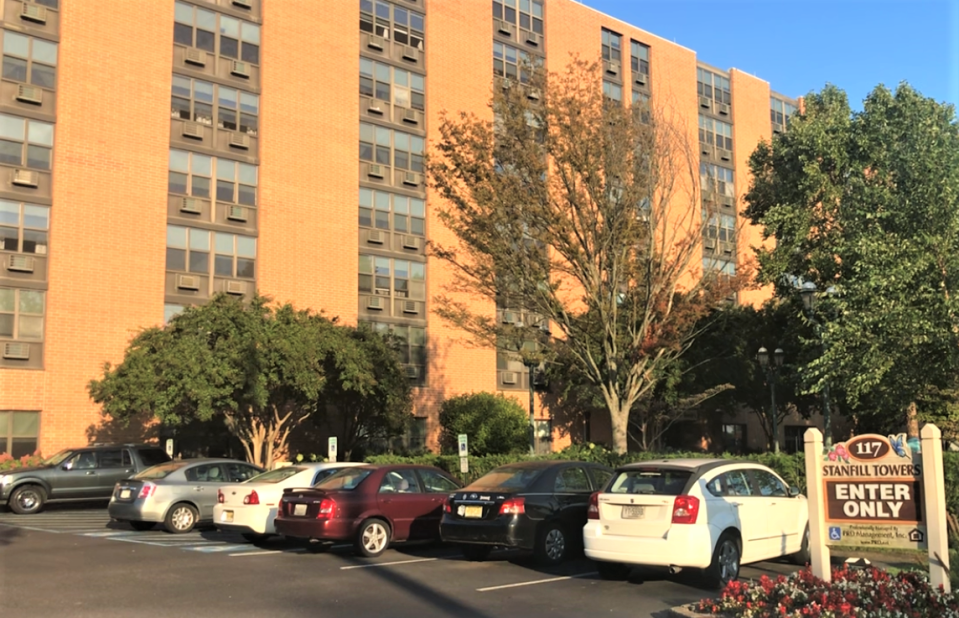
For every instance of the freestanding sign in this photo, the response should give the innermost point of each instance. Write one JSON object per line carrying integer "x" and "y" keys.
{"x": 464, "y": 453}
{"x": 331, "y": 449}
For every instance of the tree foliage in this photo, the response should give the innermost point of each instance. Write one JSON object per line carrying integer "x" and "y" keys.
{"x": 495, "y": 425}
{"x": 868, "y": 203}
{"x": 582, "y": 215}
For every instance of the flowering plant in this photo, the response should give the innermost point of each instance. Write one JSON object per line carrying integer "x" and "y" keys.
{"x": 8, "y": 462}
{"x": 853, "y": 593}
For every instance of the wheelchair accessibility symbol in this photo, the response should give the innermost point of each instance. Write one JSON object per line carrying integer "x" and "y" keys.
{"x": 835, "y": 533}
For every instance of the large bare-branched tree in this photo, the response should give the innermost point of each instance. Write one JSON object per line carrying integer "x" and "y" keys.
{"x": 582, "y": 214}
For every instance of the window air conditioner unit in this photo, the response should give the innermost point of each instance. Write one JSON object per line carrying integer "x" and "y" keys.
{"x": 376, "y": 42}
{"x": 709, "y": 244}
{"x": 706, "y": 150}
{"x": 533, "y": 94}
{"x": 504, "y": 27}
{"x": 724, "y": 109}
{"x": 188, "y": 282}
{"x": 237, "y": 213}
{"x": 236, "y": 288}
{"x": 640, "y": 78}
{"x": 409, "y": 306}
{"x": 375, "y": 171}
{"x": 726, "y": 201}
{"x": 411, "y": 53}
{"x": 411, "y": 242}
{"x": 509, "y": 377}
{"x": 17, "y": 351}
{"x": 20, "y": 263}
{"x": 190, "y": 205}
{"x": 612, "y": 67}
{"x": 705, "y": 102}
{"x": 192, "y": 130}
{"x": 376, "y": 237}
{"x": 728, "y": 247}
{"x": 194, "y": 56}
{"x": 239, "y": 140}
{"x": 777, "y": 128}
{"x": 33, "y": 12}
{"x": 510, "y": 317}
{"x": 533, "y": 38}
{"x": 412, "y": 372}
{"x": 412, "y": 179}
{"x": 29, "y": 94}
{"x": 410, "y": 116}
{"x": 375, "y": 106}
{"x": 725, "y": 155}
{"x": 243, "y": 4}
{"x": 375, "y": 302}
{"x": 240, "y": 69}
{"x": 26, "y": 178}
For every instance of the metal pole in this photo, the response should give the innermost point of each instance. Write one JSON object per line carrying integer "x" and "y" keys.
{"x": 532, "y": 423}
{"x": 826, "y": 421}
{"x": 772, "y": 388}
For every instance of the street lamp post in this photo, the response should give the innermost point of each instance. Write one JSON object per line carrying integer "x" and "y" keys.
{"x": 531, "y": 367}
{"x": 772, "y": 371}
{"x": 808, "y": 294}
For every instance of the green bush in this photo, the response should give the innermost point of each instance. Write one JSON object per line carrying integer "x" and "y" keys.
{"x": 495, "y": 424}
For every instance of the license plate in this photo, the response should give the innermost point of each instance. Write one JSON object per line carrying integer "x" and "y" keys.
{"x": 226, "y": 516}
{"x": 299, "y": 510}
{"x": 124, "y": 494}
{"x": 473, "y": 511}
{"x": 634, "y": 512}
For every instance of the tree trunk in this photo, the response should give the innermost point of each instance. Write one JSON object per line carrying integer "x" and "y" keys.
{"x": 619, "y": 421}
{"x": 912, "y": 421}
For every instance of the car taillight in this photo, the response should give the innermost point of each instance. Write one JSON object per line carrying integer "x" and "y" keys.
{"x": 219, "y": 496}
{"x": 252, "y": 498}
{"x": 327, "y": 509}
{"x": 685, "y": 509}
{"x": 593, "y": 511}
{"x": 147, "y": 490}
{"x": 446, "y": 507}
{"x": 513, "y": 506}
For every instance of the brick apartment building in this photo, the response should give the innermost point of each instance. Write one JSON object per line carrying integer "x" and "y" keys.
{"x": 155, "y": 152}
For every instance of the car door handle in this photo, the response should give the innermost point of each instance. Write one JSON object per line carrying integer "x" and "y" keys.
{"x": 90, "y": 472}
{"x": 198, "y": 488}
{"x": 387, "y": 500}
{"x": 736, "y": 504}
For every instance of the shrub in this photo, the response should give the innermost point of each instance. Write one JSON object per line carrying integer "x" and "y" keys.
{"x": 495, "y": 424}
{"x": 7, "y": 462}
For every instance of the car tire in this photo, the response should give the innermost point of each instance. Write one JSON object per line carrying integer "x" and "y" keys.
{"x": 613, "y": 571}
{"x": 254, "y": 537}
{"x": 802, "y": 557}
{"x": 725, "y": 564}
{"x": 181, "y": 518}
{"x": 28, "y": 499}
{"x": 372, "y": 538}
{"x": 475, "y": 553}
{"x": 142, "y": 526}
{"x": 552, "y": 544}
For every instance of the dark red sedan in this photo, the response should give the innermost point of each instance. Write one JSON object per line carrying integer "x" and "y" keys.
{"x": 370, "y": 506}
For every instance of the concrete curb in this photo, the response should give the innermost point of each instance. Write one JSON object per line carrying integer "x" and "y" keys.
{"x": 683, "y": 611}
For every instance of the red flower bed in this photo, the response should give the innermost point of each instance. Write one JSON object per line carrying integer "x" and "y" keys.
{"x": 853, "y": 593}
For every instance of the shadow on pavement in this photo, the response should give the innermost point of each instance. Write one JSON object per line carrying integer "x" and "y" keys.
{"x": 7, "y": 534}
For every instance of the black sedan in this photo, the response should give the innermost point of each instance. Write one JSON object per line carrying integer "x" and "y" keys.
{"x": 534, "y": 505}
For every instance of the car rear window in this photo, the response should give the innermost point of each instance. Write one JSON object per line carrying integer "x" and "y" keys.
{"x": 506, "y": 479}
{"x": 275, "y": 476}
{"x": 153, "y": 456}
{"x": 160, "y": 472}
{"x": 345, "y": 479}
{"x": 658, "y": 481}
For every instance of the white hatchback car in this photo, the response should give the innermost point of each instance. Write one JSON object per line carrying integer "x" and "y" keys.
{"x": 710, "y": 514}
{"x": 250, "y": 507}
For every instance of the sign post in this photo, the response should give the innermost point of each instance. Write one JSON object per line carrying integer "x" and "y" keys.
{"x": 464, "y": 453}
{"x": 169, "y": 447}
{"x": 818, "y": 551}
{"x": 934, "y": 488}
{"x": 331, "y": 449}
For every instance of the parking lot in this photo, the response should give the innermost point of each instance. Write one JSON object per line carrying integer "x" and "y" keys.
{"x": 76, "y": 562}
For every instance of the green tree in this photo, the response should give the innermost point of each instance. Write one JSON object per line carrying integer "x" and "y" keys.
{"x": 581, "y": 215}
{"x": 868, "y": 203}
{"x": 495, "y": 424}
{"x": 259, "y": 368}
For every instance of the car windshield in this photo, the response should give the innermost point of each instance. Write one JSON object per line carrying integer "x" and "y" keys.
{"x": 275, "y": 476}
{"x": 659, "y": 481}
{"x": 59, "y": 458}
{"x": 160, "y": 472}
{"x": 153, "y": 456}
{"x": 347, "y": 478}
{"x": 506, "y": 479}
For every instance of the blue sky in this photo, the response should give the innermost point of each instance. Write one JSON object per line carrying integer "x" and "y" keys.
{"x": 798, "y": 46}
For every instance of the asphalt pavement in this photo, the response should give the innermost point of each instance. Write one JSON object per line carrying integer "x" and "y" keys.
{"x": 77, "y": 563}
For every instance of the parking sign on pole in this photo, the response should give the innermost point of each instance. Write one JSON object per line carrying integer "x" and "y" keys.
{"x": 331, "y": 449}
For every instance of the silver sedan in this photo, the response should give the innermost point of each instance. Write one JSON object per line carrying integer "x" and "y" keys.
{"x": 181, "y": 494}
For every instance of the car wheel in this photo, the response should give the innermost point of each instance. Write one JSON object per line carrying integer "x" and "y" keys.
{"x": 612, "y": 571}
{"x": 724, "y": 567}
{"x": 802, "y": 557}
{"x": 142, "y": 526}
{"x": 475, "y": 553}
{"x": 181, "y": 518}
{"x": 28, "y": 499}
{"x": 372, "y": 538}
{"x": 552, "y": 544}
{"x": 253, "y": 537}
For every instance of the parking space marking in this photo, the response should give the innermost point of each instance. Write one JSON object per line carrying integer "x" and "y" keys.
{"x": 267, "y": 551}
{"x": 383, "y": 564}
{"x": 536, "y": 581}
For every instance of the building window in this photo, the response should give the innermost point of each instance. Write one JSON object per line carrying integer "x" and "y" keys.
{"x": 29, "y": 60}
{"x": 188, "y": 250}
{"x": 380, "y": 81}
{"x": 170, "y": 311}
{"x": 794, "y": 438}
{"x": 734, "y": 438}
{"x": 381, "y": 18}
{"x": 717, "y": 179}
{"x": 388, "y": 211}
{"x": 612, "y": 92}
{"x": 715, "y": 133}
{"x": 23, "y": 227}
{"x": 719, "y": 265}
{"x": 19, "y": 432}
{"x": 530, "y": 13}
{"x": 721, "y": 227}
{"x": 713, "y": 86}
{"x": 21, "y": 314}
{"x": 391, "y": 277}
{"x": 191, "y": 174}
{"x": 234, "y": 110}
{"x": 639, "y": 59}
{"x": 411, "y": 342}
{"x": 641, "y": 107}
{"x": 26, "y": 142}
{"x": 612, "y": 46}
{"x": 226, "y": 36}
{"x": 780, "y": 112}
{"x": 512, "y": 63}
{"x": 389, "y": 147}
{"x": 236, "y": 182}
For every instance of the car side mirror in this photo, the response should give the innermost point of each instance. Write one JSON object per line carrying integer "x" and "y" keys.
{"x": 66, "y": 467}
{"x": 794, "y": 491}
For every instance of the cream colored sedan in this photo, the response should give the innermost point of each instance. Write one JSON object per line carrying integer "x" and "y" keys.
{"x": 250, "y": 507}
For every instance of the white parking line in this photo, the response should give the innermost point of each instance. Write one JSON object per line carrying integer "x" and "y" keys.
{"x": 267, "y": 551}
{"x": 537, "y": 581}
{"x": 382, "y": 564}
